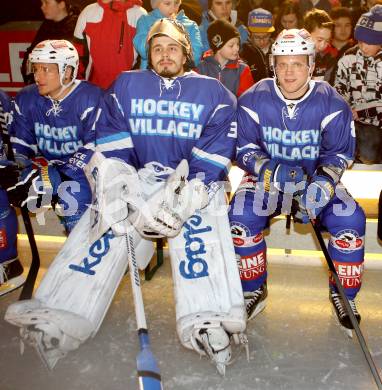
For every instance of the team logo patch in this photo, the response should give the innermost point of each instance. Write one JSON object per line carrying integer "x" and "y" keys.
{"x": 350, "y": 274}
{"x": 253, "y": 266}
{"x": 239, "y": 230}
{"x": 248, "y": 241}
{"x": 258, "y": 238}
{"x": 59, "y": 44}
{"x": 347, "y": 240}
{"x": 217, "y": 40}
{"x": 3, "y": 239}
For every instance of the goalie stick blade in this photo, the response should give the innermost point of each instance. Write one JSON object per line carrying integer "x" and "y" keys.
{"x": 147, "y": 367}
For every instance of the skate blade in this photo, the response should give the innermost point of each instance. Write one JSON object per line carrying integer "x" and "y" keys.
{"x": 259, "y": 308}
{"x": 221, "y": 368}
{"x": 49, "y": 362}
{"x": 348, "y": 332}
{"x": 48, "y": 358}
{"x": 12, "y": 285}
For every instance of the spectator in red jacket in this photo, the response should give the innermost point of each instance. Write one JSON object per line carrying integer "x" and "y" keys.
{"x": 343, "y": 29}
{"x": 106, "y": 30}
{"x": 224, "y": 64}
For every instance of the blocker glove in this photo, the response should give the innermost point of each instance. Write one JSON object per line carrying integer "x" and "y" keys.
{"x": 309, "y": 203}
{"x": 166, "y": 211}
{"x": 281, "y": 176}
{"x": 35, "y": 183}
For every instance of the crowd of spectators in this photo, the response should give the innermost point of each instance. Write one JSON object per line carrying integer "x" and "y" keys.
{"x": 110, "y": 36}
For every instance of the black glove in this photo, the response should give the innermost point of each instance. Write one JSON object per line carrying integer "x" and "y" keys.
{"x": 34, "y": 184}
{"x": 9, "y": 174}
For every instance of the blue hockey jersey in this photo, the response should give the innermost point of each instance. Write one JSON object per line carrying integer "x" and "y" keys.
{"x": 5, "y": 112}
{"x": 56, "y": 130}
{"x": 316, "y": 130}
{"x": 153, "y": 123}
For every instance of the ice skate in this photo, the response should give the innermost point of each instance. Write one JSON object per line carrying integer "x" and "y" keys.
{"x": 255, "y": 301}
{"x": 11, "y": 276}
{"x": 340, "y": 313}
{"x": 215, "y": 343}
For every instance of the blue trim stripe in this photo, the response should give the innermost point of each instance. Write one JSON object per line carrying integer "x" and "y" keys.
{"x": 217, "y": 164}
{"x": 113, "y": 137}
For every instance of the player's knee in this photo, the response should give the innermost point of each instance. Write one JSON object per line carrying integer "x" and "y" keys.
{"x": 356, "y": 221}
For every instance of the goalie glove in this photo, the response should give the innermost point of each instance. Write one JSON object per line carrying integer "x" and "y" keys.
{"x": 9, "y": 174}
{"x": 166, "y": 211}
{"x": 35, "y": 184}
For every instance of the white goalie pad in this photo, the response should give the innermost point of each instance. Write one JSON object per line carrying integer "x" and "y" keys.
{"x": 75, "y": 293}
{"x": 206, "y": 278}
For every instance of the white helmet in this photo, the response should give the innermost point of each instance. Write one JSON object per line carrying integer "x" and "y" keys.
{"x": 60, "y": 52}
{"x": 293, "y": 42}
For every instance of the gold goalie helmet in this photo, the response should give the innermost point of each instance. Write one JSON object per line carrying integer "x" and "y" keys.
{"x": 174, "y": 30}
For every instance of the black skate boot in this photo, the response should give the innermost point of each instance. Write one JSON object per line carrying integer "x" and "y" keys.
{"x": 11, "y": 276}
{"x": 341, "y": 314}
{"x": 255, "y": 300}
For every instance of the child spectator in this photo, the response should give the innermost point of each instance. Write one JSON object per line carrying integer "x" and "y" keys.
{"x": 288, "y": 16}
{"x": 166, "y": 9}
{"x": 224, "y": 64}
{"x": 318, "y": 23}
{"x": 343, "y": 29}
{"x": 359, "y": 81}
{"x": 106, "y": 30}
{"x": 219, "y": 10}
{"x": 256, "y": 50}
{"x": 244, "y": 7}
{"x": 60, "y": 21}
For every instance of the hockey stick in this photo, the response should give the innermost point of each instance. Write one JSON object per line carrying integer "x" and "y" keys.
{"x": 27, "y": 291}
{"x": 353, "y": 320}
{"x": 147, "y": 366}
{"x": 379, "y": 231}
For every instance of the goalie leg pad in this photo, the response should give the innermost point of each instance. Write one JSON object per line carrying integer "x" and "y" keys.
{"x": 80, "y": 283}
{"x": 206, "y": 278}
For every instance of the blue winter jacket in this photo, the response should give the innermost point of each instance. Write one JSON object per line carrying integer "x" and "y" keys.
{"x": 146, "y": 21}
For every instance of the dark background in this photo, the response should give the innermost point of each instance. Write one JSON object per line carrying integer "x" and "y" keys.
{"x": 12, "y": 10}
{"x": 20, "y": 10}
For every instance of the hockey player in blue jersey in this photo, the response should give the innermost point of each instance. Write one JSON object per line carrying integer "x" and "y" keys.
{"x": 154, "y": 119}
{"x": 295, "y": 139}
{"x": 165, "y": 138}
{"x": 54, "y": 119}
{"x": 10, "y": 266}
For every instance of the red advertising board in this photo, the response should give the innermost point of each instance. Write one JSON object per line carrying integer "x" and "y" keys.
{"x": 15, "y": 38}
